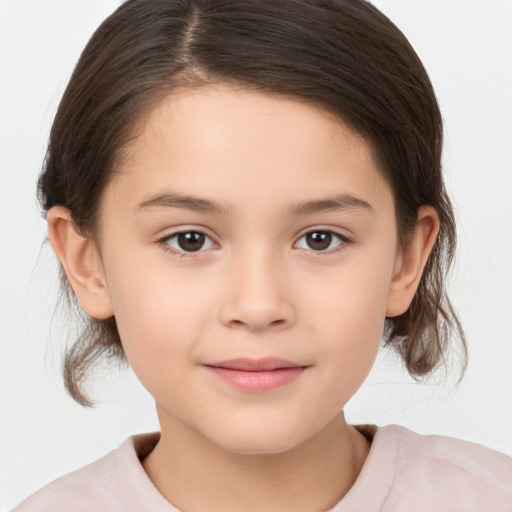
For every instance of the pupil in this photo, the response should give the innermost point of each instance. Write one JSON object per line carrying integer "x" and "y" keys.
{"x": 319, "y": 239}
{"x": 191, "y": 241}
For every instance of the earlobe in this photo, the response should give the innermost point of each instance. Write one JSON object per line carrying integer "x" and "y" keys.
{"x": 411, "y": 262}
{"x": 81, "y": 262}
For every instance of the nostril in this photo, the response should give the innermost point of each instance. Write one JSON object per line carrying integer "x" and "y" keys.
{"x": 240, "y": 323}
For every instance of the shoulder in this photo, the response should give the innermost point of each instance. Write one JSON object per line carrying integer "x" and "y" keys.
{"x": 464, "y": 474}
{"x": 72, "y": 491}
{"x": 471, "y": 461}
{"x": 117, "y": 481}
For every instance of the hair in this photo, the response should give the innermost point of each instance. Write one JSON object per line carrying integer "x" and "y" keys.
{"x": 342, "y": 56}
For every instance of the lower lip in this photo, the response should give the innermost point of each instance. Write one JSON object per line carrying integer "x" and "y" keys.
{"x": 258, "y": 381}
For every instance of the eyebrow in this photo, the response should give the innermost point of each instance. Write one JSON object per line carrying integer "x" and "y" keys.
{"x": 198, "y": 204}
{"x": 337, "y": 202}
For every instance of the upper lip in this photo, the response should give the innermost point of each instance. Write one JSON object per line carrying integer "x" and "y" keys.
{"x": 255, "y": 365}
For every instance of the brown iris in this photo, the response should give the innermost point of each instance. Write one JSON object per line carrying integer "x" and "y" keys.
{"x": 319, "y": 240}
{"x": 191, "y": 241}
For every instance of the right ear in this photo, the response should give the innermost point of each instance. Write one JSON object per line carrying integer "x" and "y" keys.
{"x": 81, "y": 261}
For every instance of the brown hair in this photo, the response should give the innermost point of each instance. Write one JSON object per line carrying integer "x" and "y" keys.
{"x": 341, "y": 55}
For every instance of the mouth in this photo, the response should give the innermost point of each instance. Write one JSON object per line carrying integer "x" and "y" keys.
{"x": 256, "y": 375}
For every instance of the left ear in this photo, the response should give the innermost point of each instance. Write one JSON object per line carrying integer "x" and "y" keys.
{"x": 411, "y": 262}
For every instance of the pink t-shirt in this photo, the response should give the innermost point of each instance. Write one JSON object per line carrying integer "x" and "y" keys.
{"x": 404, "y": 472}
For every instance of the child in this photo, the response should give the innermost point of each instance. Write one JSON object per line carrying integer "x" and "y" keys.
{"x": 242, "y": 196}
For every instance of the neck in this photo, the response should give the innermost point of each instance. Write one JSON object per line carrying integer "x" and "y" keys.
{"x": 196, "y": 475}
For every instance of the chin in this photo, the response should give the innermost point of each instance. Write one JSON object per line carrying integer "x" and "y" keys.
{"x": 261, "y": 441}
{"x": 259, "y": 447}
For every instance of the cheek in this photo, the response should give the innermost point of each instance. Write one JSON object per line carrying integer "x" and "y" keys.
{"x": 157, "y": 317}
{"x": 353, "y": 299}
{"x": 352, "y": 317}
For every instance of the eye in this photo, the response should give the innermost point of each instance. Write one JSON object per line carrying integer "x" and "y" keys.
{"x": 321, "y": 240}
{"x": 184, "y": 242}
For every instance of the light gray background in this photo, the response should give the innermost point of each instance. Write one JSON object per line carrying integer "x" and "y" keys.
{"x": 466, "y": 46}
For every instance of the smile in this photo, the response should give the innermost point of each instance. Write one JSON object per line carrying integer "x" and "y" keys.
{"x": 256, "y": 375}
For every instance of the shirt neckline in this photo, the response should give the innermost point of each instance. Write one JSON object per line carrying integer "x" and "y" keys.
{"x": 368, "y": 492}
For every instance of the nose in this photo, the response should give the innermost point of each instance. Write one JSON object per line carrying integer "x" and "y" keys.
{"x": 258, "y": 296}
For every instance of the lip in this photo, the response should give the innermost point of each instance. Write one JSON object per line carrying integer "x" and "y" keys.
{"x": 254, "y": 365}
{"x": 256, "y": 375}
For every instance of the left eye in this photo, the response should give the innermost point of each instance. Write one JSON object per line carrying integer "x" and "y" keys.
{"x": 320, "y": 240}
{"x": 189, "y": 241}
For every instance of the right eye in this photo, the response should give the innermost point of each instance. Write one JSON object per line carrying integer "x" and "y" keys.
{"x": 323, "y": 241}
{"x": 185, "y": 243}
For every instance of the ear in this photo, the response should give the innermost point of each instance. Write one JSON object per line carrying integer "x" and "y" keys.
{"x": 411, "y": 262}
{"x": 81, "y": 261}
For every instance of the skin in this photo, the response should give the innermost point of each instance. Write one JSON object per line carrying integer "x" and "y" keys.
{"x": 256, "y": 288}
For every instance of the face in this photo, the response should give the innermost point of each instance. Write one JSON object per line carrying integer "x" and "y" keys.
{"x": 248, "y": 246}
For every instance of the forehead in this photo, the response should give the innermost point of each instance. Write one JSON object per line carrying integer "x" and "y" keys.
{"x": 245, "y": 147}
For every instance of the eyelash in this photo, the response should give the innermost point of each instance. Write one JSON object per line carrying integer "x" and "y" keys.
{"x": 164, "y": 242}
